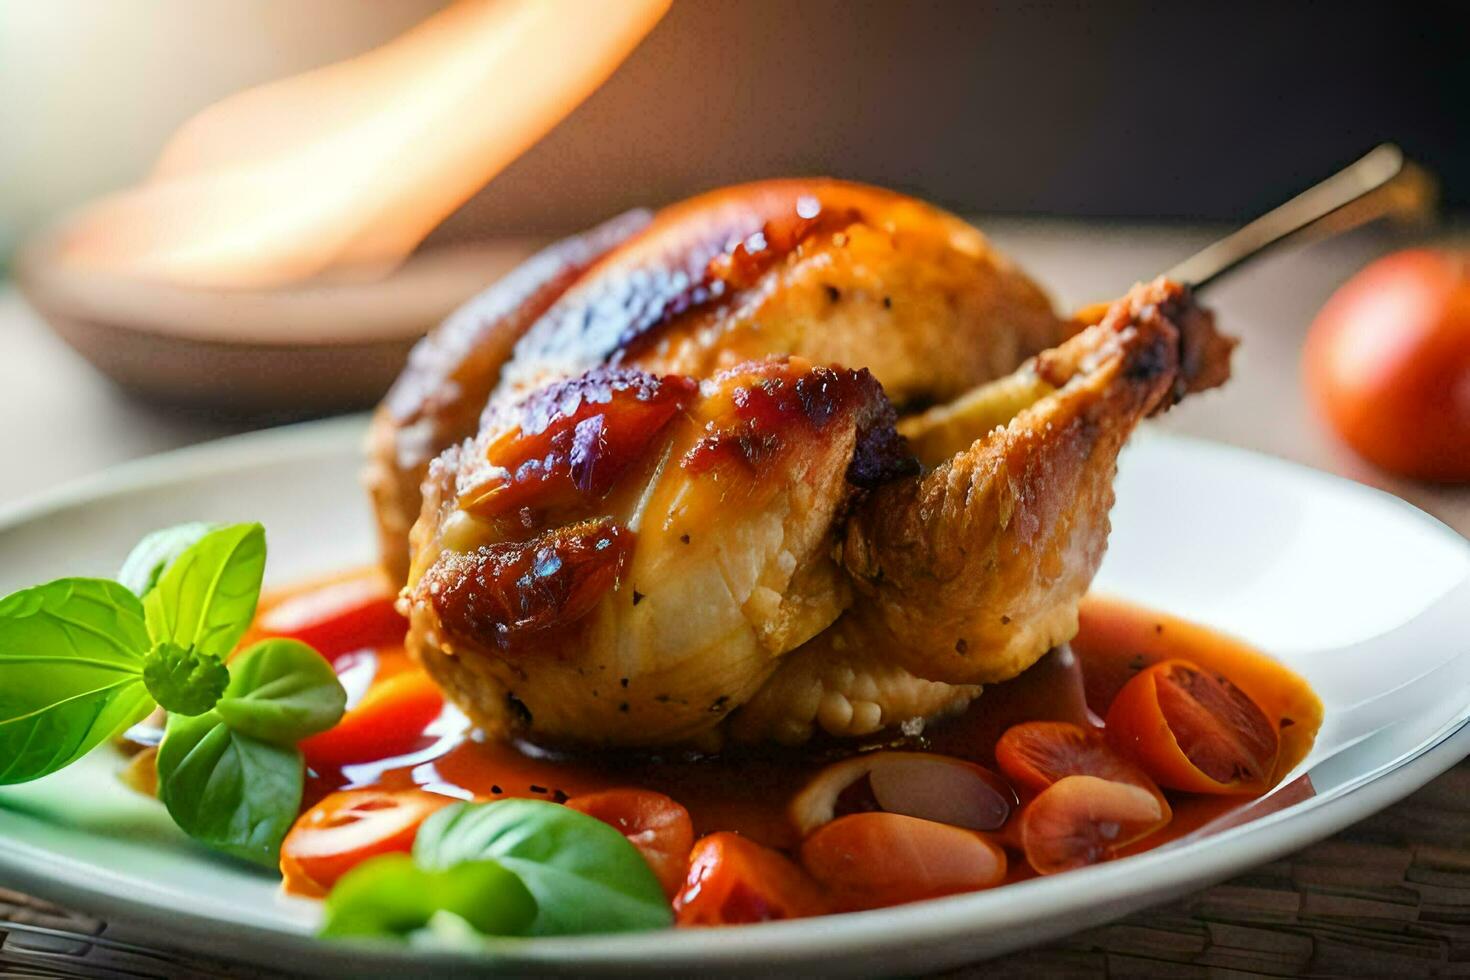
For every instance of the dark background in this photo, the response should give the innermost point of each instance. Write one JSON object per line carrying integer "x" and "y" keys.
{"x": 1183, "y": 111}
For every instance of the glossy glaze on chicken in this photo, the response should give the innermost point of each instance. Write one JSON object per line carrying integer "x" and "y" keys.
{"x": 831, "y": 271}
{"x": 689, "y": 509}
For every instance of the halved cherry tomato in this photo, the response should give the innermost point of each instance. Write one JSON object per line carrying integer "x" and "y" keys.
{"x": 1194, "y": 731}
{"x": 872, "y": 860}
{"x": 733, "y": 880}
{"x": 336, "y": 617}
{"x": 1081, "y": 820}
{"x": 655, "y": 824}
{"x": 1110, "y": 625}
{"x": 1036, "y": 754}
{"x": 347, "y": 828}
{"x": 389, "y": 720}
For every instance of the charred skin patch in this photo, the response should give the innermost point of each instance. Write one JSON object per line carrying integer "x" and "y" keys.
{"x": 506, "y": 594}
{"x": 1151, "y": 362}
{"x": 768, "y": 407}
{"x": 881, "y": 454}
{"x": 568, "y": 443}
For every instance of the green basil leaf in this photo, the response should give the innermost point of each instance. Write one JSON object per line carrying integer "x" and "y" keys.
{"x": 392, "y": 896}
{"x": 153, "y": 554}
{"x": 206, "y": 598}
{"x": 584, "y": 875}
{"x": 282, "y": 691}
{"x": 183, "y": 680}
{"x": 71, "y": 673}
{"x": 227, "y": 790}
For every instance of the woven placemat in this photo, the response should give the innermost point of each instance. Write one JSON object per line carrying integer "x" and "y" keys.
{"x": 1389, "y": 897}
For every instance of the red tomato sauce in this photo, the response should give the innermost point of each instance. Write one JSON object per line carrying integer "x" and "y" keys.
{"x": 748, "y": 790}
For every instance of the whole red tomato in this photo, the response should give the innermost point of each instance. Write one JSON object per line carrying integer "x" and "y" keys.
{"x": 1387, "y": 362}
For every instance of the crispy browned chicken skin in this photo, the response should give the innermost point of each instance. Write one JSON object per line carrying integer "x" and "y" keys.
{"x": 688, "y": 508}
{"x": 437, "y": 400}
{"x": 967, "y": 574}
{"x": 867, "y": 278}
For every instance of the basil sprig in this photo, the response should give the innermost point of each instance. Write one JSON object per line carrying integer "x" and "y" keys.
{"x": 82, "y": 660}
{"x": 585, "y": 877}
{"x": 231, "y": 777}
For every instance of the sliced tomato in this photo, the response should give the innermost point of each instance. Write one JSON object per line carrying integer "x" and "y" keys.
{"x": 1081, "y": 820}
{"x": 655, "y": 824}
{"x": 872, "y": 860}
{"x": 1194, "y": 731}
{"x": 388, "y": 721}
{"x": 347, "y": 828}
{"x": 1036, "y": 754}
{"x": 733, "y": 880}
{"x": 338, "y": 616}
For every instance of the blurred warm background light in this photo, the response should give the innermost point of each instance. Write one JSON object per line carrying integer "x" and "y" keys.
{"x": 350, "y": 166}
{"x": 92, "y": 90}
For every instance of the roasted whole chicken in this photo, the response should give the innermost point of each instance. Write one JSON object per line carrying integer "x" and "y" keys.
{"x": 792, "y": 457}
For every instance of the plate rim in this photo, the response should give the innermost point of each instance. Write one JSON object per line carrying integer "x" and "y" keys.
{"x": 1139, "y": 880}
{"x": 782, "y": 943}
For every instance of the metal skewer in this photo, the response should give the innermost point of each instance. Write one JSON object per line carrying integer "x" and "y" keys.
{"x": 1382, "y": 183}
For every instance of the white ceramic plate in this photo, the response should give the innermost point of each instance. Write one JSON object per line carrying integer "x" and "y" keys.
{"x": 1367, "y": 597}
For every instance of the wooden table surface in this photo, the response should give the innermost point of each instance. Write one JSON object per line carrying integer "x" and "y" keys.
{"x": 1390, "y": 896}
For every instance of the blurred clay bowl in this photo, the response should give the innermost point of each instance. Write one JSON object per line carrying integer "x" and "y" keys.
{"x": 307, "y": 349}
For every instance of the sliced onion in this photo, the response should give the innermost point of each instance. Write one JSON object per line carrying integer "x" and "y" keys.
{"x": 916, "y": 784}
